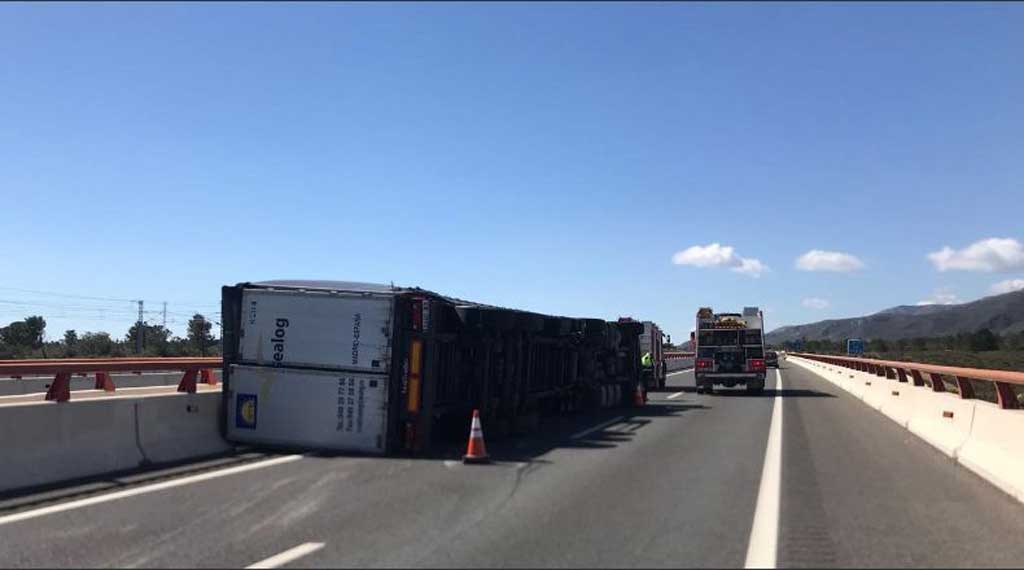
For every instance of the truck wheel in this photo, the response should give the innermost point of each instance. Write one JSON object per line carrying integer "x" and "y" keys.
{"x": 709, "y": 387}
{"x": 755, "y": 387}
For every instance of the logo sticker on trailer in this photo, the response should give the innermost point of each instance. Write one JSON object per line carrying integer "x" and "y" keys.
{"x": 245, "y": 411}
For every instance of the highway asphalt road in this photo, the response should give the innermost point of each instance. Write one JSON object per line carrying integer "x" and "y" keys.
{"x": 675, "y": 483}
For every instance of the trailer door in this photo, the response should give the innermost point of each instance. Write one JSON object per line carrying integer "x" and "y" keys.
{"x": 313, "y": 329}
{"x": 337, "y": 410}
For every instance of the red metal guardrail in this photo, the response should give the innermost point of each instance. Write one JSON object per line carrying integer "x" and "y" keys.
{"x": 62, "y": 369}
{"x": 676, "y": 354}
{"x": 1003, "y": 380}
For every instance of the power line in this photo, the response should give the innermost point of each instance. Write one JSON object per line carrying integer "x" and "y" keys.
{"x": 95, "y": 298}
{"x": 70, "y": 296}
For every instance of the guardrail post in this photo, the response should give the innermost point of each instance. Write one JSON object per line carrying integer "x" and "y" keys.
{"x": 104, "y": 382}
{"x": 902, "y": 374}
{"x": 207, "y": 377}
{"x": 188, "y": 381}
{"x": 890, "y": 373}
{"x": 918, "y": 380}
{"x": 966, "y": 388}
{"x": 937, "y": 384}
{"x": 60, "y": 389}
{"x": 1005, "y": 397}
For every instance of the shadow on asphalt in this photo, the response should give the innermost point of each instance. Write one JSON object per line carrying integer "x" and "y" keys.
{"x": 529, "y": 448}
{"x": 552, "y": 433}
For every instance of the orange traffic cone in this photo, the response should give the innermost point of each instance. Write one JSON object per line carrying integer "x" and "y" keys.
{"x": 476, "y": 452}
{"x": 638, "y": 397}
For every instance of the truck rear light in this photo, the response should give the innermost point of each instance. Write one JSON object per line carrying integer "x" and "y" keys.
{"x": 420, "y": 314}
{"x": 412, "y": 403}
{"x": 702, "y": 363}
{"x": 417, "y": 314}
{"x": 756, "y": 365}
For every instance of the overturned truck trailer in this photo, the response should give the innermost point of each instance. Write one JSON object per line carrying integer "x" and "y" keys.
{"x": 379, "y": 369}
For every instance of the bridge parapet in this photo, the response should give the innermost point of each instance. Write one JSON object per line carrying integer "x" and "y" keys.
{"x": 973, "y": 415}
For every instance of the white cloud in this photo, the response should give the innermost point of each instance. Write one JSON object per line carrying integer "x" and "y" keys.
{"x": 941, "y": 297}
{"x": 815, "y": 303}
{"x": 717, "y": 255}
{"x": 992, "y": 254}
{"x": 820, "y": 260}
{"x": 1007, "y": 286}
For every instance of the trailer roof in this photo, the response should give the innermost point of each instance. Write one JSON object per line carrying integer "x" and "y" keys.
{"x": 327, "y": 285}
{"x": 361, "y": 287}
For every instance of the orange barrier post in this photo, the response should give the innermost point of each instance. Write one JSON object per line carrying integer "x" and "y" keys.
{"x": 104, "y": 382}
{"x": 207, "y": 377}
{"x": 60, "y": 389}
{"x": 188, "y": 381}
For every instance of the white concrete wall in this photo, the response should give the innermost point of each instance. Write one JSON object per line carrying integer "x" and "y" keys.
{"x": 976, "y": 434}
{"x": 675, "y": 364}
{"x": 50, "y": 442}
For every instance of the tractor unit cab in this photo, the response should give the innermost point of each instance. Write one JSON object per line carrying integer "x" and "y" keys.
{"x": 729, "y": 349}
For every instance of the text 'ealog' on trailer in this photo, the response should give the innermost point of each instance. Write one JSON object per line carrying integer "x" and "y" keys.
{"x": 379, "y": 369}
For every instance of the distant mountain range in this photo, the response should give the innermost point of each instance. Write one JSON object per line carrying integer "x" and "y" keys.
{"x": 1002, "y": 314}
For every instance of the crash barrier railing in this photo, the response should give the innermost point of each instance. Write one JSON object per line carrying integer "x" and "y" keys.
{"x": 193, "y": 369}
{"x": 669, "y": 355}
{"x": 969, "y": 383}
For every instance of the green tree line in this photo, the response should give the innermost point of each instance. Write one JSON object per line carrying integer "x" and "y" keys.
{"x": 982, "y": 340}
{"x": 27, "y": 339}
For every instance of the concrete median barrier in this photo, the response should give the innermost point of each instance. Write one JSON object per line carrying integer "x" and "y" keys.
{"x": 175, "y": 427}
{"x": 901, "y": 401}
{"x": 942, "y": 419}
{"x": 878, "y": 390}
{"x": 994, "y": 448}
{"x": 977, "y": 434}
{"x": 46, "y": 442}
{"x": 859, "y": 384}
{"x": 676, "y": 364}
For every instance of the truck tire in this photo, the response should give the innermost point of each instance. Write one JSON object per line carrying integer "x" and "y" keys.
{"x": 709, "y": 387}
{"x": 756, "y": 387}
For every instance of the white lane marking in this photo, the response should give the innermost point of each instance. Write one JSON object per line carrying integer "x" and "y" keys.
{"x": 287, "y": 556}
{"x": 59, "y": 508}
{"x": 762, "y": 550}
{"x": 676, "y": 395}
{"x": 598, "y": 427}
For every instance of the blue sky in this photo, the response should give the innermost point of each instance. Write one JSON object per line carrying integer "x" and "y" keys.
{"x": 551, "y": 157}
